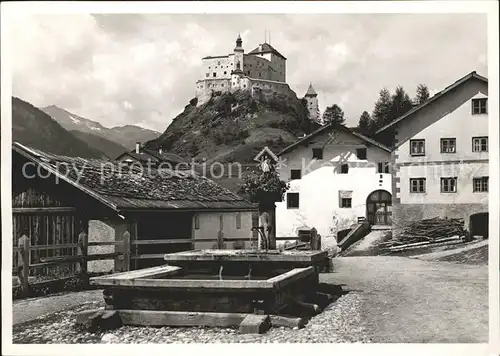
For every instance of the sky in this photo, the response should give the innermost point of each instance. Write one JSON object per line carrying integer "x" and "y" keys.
{"x": 141, "y": 69}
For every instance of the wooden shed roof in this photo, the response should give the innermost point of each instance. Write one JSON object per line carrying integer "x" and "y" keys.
{"x": 134, "y": 188}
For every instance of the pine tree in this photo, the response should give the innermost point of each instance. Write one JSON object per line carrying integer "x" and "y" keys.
{"x": 422, "y": 94}
{"x": 366, "y": 125}
{"x": 401, "y": 104}
{"x": 382, "y": 108}
{"x": 333, "y": 114}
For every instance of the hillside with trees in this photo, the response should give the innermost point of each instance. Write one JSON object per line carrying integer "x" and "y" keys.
{"x": 234, "y": 127}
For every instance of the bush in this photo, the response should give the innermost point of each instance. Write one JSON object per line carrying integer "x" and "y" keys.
{"x": 231, "y": 135}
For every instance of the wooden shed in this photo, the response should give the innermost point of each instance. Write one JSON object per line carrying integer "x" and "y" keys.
{"x": 56, "y": 197}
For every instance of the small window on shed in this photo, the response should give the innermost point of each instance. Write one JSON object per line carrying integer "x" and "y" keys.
{"x": 361, "y": 153}
{"x": 317, "y": 153}
{"x": 344, "y": 169}
{"x": 295, "y": 174}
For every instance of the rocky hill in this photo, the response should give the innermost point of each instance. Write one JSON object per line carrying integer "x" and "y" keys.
{"x": 125, "y": 136}
{"x": 32, "y": 127}
{"x": 234, "y": 127}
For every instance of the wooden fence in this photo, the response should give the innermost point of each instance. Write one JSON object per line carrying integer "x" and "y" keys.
{"x": 23, "y": 265}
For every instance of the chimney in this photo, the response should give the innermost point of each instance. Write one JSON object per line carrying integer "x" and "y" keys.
{"x": 160, "y": 151}
{"x": 138, "y": 147}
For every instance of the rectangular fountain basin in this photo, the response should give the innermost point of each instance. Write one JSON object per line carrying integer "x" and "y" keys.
{"x": 261, "y": 262}
{"x": 233, "y": 291}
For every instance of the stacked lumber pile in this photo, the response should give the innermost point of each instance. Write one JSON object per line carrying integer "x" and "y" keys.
{"x": 430, "y": 230}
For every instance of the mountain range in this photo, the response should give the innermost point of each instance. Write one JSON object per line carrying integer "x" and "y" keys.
{"x": 125, "y": 136}
{"x": 230, "y": 127}
{"x": 59, "y": 131}
{"x": 33, "y": 127}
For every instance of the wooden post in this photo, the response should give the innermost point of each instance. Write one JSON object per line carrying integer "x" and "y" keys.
{"x": 24, "y": 261}
{"x": 315, "y": 240}
{"x": 83, "y": 248}
{"x": 220, "y": 240}
{"x": 126, "y": 251}
{"x": 272, "y": 234}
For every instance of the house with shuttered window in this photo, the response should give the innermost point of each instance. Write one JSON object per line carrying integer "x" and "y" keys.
{"x": 440, "y": 157}
{"x": 337, "y": 177}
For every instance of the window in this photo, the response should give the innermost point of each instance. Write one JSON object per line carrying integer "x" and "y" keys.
{"x": 383, "y": 167}
{"x": 479, "y": 106}
{"x": 295, "y": 174}
{"x": 292, "y": 200}
{"x": 221, "y": 222}
{"x": 318, "y": 153}
{"x": 196, "y": 221}
{"x": 208, "y": 75}
{"x": 448, "y": 145}
{"x": 225, "y": 72}
{"x": 361, "y": 153}
{"x": 215, "y": 74}
{"x": 449, "y": 185}
{"x": 480, "y": 144}
{"x": 345, "y": 198}
{"x": 417, "y": 185}
{"x": 344, "y": 169}
{"x": 346, "y": 202}
{"x": 480, "y": 184}
{"x": 218, "y": 62}
{"x": 417, "y": 147}
{"x": 238, "y": 220}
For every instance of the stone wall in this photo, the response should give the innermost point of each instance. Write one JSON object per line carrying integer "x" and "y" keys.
{"x": 100, "y": 231}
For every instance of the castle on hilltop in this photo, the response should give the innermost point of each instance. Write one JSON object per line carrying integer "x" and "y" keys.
{"x": 261, "y": 70}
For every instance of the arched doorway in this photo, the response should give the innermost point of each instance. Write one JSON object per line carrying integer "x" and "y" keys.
{"x": 379, "y": 208}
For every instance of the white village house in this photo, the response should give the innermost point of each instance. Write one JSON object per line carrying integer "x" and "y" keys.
{"x": 440, "y": 157}
{"x": 336, "y": 176}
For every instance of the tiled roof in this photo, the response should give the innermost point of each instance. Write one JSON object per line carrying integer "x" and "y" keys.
{"x": 435, "y": 97}
{"x": 333, "y": 126}
{"x": 266, "y": 48}
{"x": 121, "y": 189}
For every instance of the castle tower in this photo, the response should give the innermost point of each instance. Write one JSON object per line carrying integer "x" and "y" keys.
{"x": 312, "y": 103}
{"x": 238, "y": 55}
